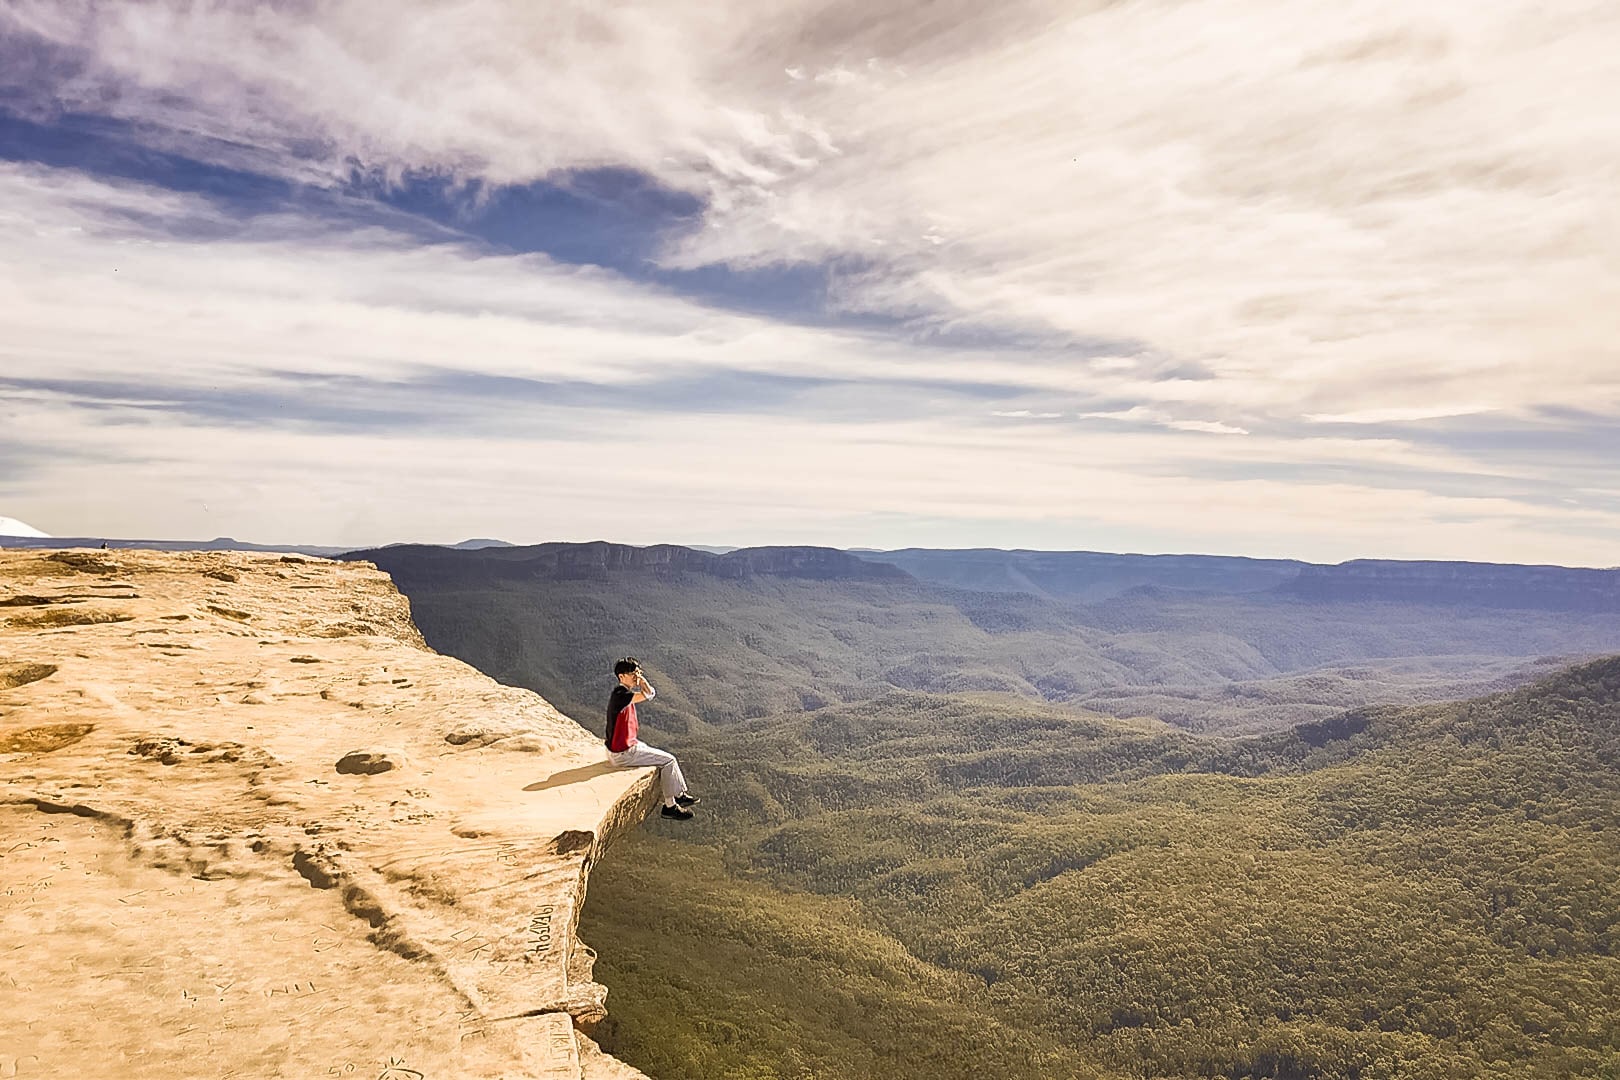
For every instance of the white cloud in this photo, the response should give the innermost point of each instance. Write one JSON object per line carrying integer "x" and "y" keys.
{"x": 1399, "y": 414}
{"x": 1140, "y": 414}
{"x": 746, "y": 479}
{"x": 1339, "y": 209}
{"x": 1208, "y": 427}
{"x": 1251, "y": 212}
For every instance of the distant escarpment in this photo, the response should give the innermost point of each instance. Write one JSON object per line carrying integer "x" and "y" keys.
{"x": 1086, "y": 575}
{"x": 819, "y": 628}
{"x": 1491, "y": 585}
{"x": 1091, "y": 576}
{"x": 600, "y": 560}
{"x": 254, "y": 827}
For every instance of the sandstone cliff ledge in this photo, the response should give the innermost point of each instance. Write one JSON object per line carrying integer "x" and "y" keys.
{"x": 191, "y": 885}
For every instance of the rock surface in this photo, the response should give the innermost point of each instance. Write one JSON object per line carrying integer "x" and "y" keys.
{"x": 1485, "y": 585}
{"x": 369, "y": 762}
{"x": 599, "y": 561}
{"x": 190, "y": 888}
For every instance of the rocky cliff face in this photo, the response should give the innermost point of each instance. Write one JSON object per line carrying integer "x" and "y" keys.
{"x": 1087, "y": 576}
{"x": 600, "y": 561}
{"x": 1543, "y": 588}
{"x": 250, "y": 826}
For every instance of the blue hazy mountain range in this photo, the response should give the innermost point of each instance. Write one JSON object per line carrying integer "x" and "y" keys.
{"x": 1205, "y": 643}
{"x": 1086, "y": 576}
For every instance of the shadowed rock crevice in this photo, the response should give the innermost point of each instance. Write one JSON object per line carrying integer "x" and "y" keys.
{"x": 573, "y": 840}
{"x": 61, "y": 618}
{"x": 15, "y": 675}
{"x": 369, "y": 762}
{"x": 52, "y": 806}
{"x": 386, "y": 932}
{"x": 84, "y": 562}
{"x": 43, "y": 739}
{"x": 175, "y": 751}
{"x": 315, "y": 869}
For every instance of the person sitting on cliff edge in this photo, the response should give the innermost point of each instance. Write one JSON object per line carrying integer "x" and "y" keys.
{"x": 625, "y": 751}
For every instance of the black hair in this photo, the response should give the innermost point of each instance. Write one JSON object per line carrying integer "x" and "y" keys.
{"x": 626, "y": 666}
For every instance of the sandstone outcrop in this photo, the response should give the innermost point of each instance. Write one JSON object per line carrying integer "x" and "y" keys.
{"x": 1460, "y": 584}
{"x": 600, "y": 561}
{"x": 193, "y": 885}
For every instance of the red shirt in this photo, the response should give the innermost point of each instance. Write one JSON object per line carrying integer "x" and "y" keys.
{"x": 621, "y": 719}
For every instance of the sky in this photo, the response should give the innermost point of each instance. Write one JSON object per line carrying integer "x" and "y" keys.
{"x": 1282, "y": 278}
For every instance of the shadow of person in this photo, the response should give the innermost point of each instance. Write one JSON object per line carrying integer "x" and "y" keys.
{"x": 572, "y": 776}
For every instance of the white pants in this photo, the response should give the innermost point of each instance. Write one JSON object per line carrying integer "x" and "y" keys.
{"x": 669, "y": 770}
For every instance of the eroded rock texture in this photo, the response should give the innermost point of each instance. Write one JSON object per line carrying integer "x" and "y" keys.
{"x": 250, "y": 826}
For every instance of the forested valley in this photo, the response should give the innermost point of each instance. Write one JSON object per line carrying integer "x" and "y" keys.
{"x": 924, "y": 851}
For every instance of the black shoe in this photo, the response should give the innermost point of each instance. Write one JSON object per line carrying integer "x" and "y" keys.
{"x": 679, "y": 813}
{"x": 683, "y": 799}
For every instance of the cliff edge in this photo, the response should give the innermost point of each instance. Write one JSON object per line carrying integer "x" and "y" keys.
{"x": 251, "y": 826}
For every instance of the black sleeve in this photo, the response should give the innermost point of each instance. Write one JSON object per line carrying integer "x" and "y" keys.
{"x": 621, "y": 696}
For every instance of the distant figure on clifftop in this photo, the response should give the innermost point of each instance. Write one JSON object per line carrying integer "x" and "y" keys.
{"x": 627, "y": 753}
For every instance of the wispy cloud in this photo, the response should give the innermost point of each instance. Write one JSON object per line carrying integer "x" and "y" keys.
{"x": 1335, "y": 210}
{"x": 1139, "y": 414}
{"x": 1390, "y": 224}
{"x": 1398, "y": 414}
